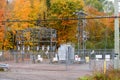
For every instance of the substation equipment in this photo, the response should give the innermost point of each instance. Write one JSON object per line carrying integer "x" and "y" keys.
{"x": 37, "y": 41}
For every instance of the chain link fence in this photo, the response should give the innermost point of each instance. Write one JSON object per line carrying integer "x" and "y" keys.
{"x": 96, "y": 59}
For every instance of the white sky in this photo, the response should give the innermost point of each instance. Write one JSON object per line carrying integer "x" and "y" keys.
{"x": 111, "y": 0}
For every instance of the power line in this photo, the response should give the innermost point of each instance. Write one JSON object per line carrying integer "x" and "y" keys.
{"x": 56, "y": 19}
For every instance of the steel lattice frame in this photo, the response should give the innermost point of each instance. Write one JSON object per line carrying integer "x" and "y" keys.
{"x": 35, "y": 37}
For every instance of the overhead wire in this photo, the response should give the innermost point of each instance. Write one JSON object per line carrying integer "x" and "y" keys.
{"x": 56, "y": 19}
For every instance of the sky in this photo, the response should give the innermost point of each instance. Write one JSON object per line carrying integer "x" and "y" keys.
{"x": 9, "y": 0}
{"x": 111, "y": 0}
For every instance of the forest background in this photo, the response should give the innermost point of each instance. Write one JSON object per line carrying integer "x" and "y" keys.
{"x": 100, "y": 31}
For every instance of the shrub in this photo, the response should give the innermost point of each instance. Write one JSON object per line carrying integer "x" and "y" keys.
{"x": 110, "y": 75}
{"x": 1, "y": 69}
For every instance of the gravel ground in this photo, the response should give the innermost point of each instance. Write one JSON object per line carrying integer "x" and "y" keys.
{"x": 23, "y": 71}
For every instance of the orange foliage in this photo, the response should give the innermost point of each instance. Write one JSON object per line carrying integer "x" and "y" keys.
{"x": 92, "y": 12}
{"x": 95, "y": 27}
{"x": 2, "y": 11}
{"x": 109, "y": 23}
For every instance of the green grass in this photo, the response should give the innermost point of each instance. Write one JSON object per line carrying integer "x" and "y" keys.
{"x": 110, "y": 75}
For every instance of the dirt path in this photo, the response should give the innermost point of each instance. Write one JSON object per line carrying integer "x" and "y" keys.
{"x": 45, "y": 72}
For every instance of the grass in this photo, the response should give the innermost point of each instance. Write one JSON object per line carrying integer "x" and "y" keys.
{"x": 1, "y": 69}
{"x": 109, "y": 75}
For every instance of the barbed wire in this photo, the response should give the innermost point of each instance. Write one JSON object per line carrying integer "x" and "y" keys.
{"x": 56, "y": 19}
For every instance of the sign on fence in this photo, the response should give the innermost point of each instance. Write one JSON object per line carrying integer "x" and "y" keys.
{"x": 107, "y": 57}
{"x": 98, "y": 57}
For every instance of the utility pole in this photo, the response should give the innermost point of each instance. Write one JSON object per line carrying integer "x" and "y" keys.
{"x": 116, "y": 35}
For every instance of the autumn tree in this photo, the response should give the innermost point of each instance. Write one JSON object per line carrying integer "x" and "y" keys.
{"x": 30, "y": 10}
{"x": 64, "y": 9}
{"x": 95, "y": 3}
{"x": 100, "y": 30}
{"x": 36, "y": 10}
{"x": 2, "y": 27}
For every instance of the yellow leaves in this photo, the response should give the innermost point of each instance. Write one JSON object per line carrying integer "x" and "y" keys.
{"x": 27, "y": 35}
{"x": 26, "y": 10}
{"x": 80, "y": 2}
{"x": 2, "y": 11}
{"x": 6, "y": 42}
{"x": 43, "y": 7}
{"x": 64, "y": 9}
{"x": 21, "y": 9}
{"x": 1, "y": 34}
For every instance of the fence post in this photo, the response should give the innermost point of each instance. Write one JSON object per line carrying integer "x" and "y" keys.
{"x": 104, "y": 66}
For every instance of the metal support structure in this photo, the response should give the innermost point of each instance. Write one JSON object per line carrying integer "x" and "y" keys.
{"x": 35, "y": 38}
{"x": 81, "y": 31}
{"x": 79, "y": 35}
{"x": 116, "y": 34}
{"x": 84, "y": 36}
